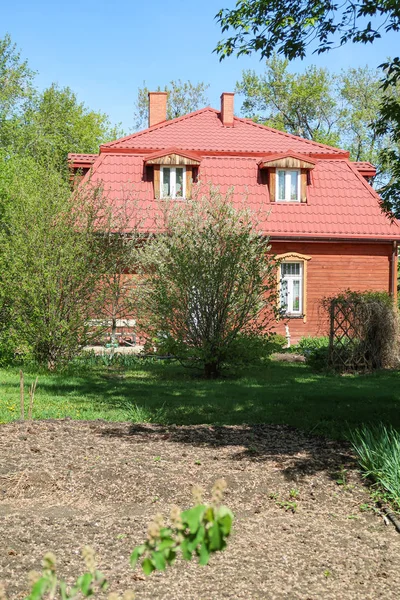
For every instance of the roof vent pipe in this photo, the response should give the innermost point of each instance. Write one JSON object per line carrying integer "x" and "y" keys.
{"x": 227, "y": 105}
{"x": 157, "y": 107}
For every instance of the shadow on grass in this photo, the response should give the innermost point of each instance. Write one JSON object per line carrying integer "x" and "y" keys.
{"x": 275, "y": 393}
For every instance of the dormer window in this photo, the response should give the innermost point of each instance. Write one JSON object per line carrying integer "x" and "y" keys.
{"x": 173, "y": 172}
{"x": 173, "y": 182}
{"x": 288, "y": 185}
{"x": 287, "y": 176}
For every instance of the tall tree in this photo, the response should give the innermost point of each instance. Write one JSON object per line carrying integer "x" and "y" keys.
{"x": 16, "y": 89}
{"x": 57, "y": 123}
{"x": 389, "y": 124}
{"x": 302, "y": 104}
{"x": 44, "y": 124}
{"x": 336, "y": 109}
{"x": 363, "y": 97}
{"x": 16, "y": 78}
{"x": 183, "y": 97}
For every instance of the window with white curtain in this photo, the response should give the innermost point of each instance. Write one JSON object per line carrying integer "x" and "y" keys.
{"x": 172, "y": 182}
{"x": 288, "y": 185}
{"x": 291, "y": 288}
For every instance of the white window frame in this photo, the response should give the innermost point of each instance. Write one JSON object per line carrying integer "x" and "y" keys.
{"x": 287, "y": 197}
{"x": 290, "y": 279}
{"x": 172, "y": 169}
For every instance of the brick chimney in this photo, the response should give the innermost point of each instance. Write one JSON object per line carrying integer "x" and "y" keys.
{"x": 227, "y": 101}
{"x": 157, "y": 107}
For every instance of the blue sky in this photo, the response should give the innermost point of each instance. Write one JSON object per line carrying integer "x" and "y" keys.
{"x": 105, "y": 51}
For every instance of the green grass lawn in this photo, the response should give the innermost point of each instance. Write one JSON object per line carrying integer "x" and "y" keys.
{"x": 285, "y": 393}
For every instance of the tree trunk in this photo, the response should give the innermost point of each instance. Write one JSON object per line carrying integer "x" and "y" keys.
{"x": 211, "y": 370}
{"x": 113, "y": 337}
{"x": 113, "y": 330}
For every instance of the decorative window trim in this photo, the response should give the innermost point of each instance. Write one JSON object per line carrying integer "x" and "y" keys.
{"x": 294, "y": 257}
{"x": 289, "y": 161}
{"x": 173, "y": 160}
{"x": 173, "y": 156}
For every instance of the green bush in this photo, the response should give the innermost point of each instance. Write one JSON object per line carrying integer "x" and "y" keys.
{"x": 317, "y": 359}
{"x": 12, "y": 350}
{"x": 209, "y": 282}
{"x": 314, "y": 349}
{"x": 7, "y": 350}
{"x": 317, "y": 352}
{"x": 308, "y": 344}
{"x": 253, "y": 349}
{"x": 276, "y": 343}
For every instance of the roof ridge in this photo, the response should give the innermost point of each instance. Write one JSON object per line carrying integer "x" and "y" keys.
{"x": 83, "y": 154}
{"x": 161, "y": 125}
{"x": 290, "y": 135}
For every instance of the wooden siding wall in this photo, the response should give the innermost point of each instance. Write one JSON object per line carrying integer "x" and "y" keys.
{"x": 335, "y": 267}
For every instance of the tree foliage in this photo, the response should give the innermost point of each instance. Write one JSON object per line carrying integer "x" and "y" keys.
{"x": 57, "y": 123}
{"x": 209, "y": 282}
{"x": 16, "y": 89}
{"x": 289, "y": 28}
{"x": 62, "y": 249}
{"x": 183, "y": 97}
{"x": 16, "y": 79}
{"x": 389, "y": 124}
{"x": 300, "y": 104}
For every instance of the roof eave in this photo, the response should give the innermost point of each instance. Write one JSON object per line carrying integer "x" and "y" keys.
{"x": 307, "y": 237}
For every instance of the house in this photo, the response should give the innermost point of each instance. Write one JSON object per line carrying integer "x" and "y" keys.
{"x": 318, "y": 207}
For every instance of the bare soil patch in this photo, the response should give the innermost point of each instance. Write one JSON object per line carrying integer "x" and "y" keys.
{"x": 64, "y": 484}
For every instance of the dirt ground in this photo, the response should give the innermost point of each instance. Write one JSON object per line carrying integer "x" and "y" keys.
{"x": 64, "y": 484}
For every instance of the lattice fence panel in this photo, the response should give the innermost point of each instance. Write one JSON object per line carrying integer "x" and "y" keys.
{"x": 347, "y": 351}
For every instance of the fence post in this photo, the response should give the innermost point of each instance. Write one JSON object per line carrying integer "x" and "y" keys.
{"x": 331, "y": 330}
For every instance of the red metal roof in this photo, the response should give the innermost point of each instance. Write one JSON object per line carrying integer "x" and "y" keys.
{"x": 203, "y": 131}
{"x": 340, "y": 203}
{"x": 365, "y": 168}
